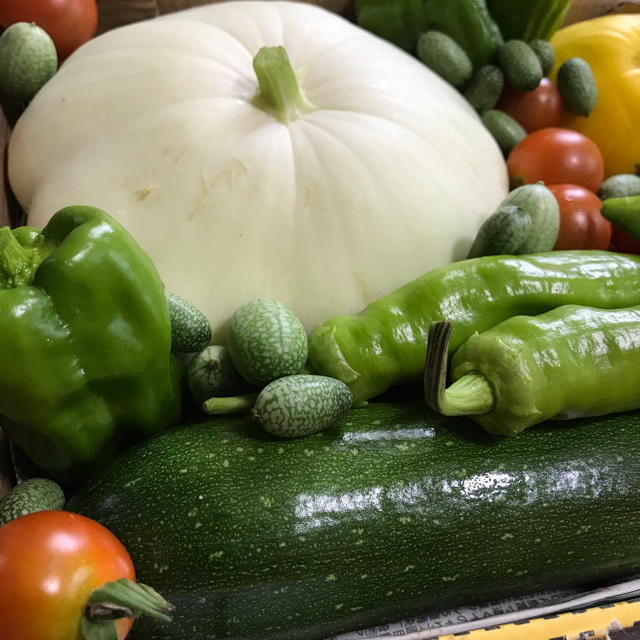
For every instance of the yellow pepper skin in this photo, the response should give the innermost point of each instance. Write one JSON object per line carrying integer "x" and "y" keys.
{"x": 611, "y": 45}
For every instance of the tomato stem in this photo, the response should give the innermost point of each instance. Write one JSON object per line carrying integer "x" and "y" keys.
{"x": 120, "y": 599}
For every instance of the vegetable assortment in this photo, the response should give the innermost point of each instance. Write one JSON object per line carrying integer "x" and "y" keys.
{"x": 324, "y": 506}
{"x": 262, "y": 162}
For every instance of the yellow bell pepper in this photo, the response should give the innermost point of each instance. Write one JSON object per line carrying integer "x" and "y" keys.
{"x": 611, "y": 45}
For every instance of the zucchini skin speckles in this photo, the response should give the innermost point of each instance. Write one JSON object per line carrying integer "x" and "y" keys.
{"x": 266, "y": 341}
{"x": 301, "y": 405}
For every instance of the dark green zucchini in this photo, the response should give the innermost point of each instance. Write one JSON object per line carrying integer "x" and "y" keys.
{"x": 393, "y": 513}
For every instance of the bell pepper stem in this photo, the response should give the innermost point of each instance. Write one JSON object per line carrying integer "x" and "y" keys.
{"x": 230, "y": 404}
{"x": 14, "y": 259}
{"x": 469, "y": 395}
{"x": 279, "y": 89}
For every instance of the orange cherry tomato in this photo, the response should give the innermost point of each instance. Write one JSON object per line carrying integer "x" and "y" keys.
{"x": 556, "y": 156}
{"x": 582, "y": 226}
{"x": 535, "y": 109}
{"x": 50, "y": 561}
{"x": 70, "y": 23}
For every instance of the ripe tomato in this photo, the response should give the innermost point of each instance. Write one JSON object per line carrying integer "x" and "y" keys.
{"x": 535, "y": 109}
{"x": 582, "y": 226}
{"x": 50, "y": 561}
{"x": 556, "y": 156}
{"x": 70, "y": 23}
{"x": 621, "y": 241}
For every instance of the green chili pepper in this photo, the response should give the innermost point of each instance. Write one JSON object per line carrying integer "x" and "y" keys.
{"x": 385, "y": 344}
{"x": 85, "y": 341}
{"x": 624, "y": 212}
{"x": 468, "y": 22}
{"x": 571, "y": 362}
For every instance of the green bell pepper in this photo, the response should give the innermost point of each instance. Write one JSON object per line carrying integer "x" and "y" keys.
{"x": 468, "y": 22}
{"x": 85, "y": 341}
{"x": 530, "y": 19}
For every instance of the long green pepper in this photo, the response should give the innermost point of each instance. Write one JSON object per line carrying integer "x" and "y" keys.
{"x": 571, "y": 362}
{"x": 386, "y": 343}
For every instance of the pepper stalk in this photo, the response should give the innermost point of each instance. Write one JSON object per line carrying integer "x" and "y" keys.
{"x": 469, "y": 395}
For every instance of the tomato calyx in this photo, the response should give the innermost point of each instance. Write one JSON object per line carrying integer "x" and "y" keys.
{"x": 117, "y": 599}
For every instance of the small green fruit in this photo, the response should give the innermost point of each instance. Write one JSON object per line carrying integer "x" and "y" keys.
{"x": 28, "y": 59}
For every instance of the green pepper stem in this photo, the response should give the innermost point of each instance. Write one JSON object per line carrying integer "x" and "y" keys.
{"x": 279, "y": 89}
{"x": 14, "y": 259}
{"x": 230, "y": 404}
{"x": 469, "y": 395}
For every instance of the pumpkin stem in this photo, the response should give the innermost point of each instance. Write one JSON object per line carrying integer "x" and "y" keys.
{"x": 279, "y": 89}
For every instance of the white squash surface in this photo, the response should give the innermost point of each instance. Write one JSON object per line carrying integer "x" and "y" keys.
{"x": 390, "y": 174}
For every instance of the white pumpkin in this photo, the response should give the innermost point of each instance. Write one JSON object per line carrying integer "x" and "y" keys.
{"x": 385, "y": 173}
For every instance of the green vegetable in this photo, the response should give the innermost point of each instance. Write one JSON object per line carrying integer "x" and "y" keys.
{"x": 530, "y": 20}
{"x": 546, "y": 54}
{"x": 34, "y": 494}
{"x": 190, "y": 329}
{"x": 485, "y": 88}
{"x": 301, "y": 405}
{"x": 266, "y": 341}
{"x": 577, "y": 86}
{"x": 445, "y": 57}
{"x": 570, "y": 362}
{"x": 504, "y": 231}
{"x": 520, "y": 65}
{"x": 211, "y": 373}
{"x": 385, "y": 344}
{"x": 28, "y": 60}
{"x": 620, "y": 185}
{"x": 400, "y": 21}
{"x": 624, "y": 213}
{"x": 506, "y": 131}
{"x": 85, "y": 325}
{"x": 542, "y": 207}
{"x": 527, "y": 221}
{"x": 394, "y": 512}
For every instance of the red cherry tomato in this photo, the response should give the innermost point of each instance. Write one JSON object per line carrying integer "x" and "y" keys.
{"x": 622, "y": 242}
{"x": 582, "y": 226}
{"x": 70, "y": 23}
{"x": 50, "y": 561}
{"x": 556, "y": 156}
{"x": 535, "y": 109}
